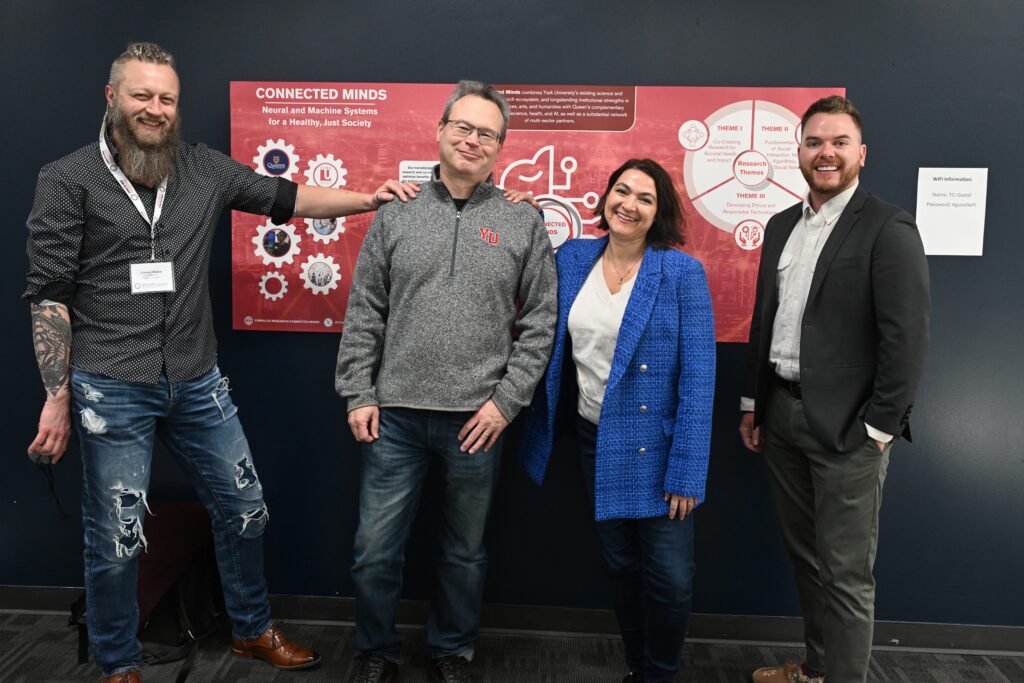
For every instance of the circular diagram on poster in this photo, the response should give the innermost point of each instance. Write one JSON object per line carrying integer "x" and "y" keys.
{"x": 745, "y": 170}
{"x": 561, "y": 220}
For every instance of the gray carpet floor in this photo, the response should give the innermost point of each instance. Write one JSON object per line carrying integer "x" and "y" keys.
{"x": 39, "y": 647}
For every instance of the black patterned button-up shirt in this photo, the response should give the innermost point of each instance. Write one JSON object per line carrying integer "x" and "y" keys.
{"x": 84, "y": 232}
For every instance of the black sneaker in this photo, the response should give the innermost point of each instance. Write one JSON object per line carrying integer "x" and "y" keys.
{"x": 450, "y": 669}
{"x": 633, "y": 677}
{"x": 372, "y": 668}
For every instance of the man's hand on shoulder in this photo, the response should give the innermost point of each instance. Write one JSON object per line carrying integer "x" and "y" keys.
{"x": 483, "y": 429}
{"x": 393, "y": 189}
{"x": 365, "y": 423}
{"x": 516, "y": 196}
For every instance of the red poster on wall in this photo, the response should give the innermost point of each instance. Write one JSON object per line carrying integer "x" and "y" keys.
{"x": 731, "y": 151}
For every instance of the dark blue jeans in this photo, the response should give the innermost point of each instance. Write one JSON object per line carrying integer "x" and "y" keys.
{"x": 117, "y": 423}
{"x": 650, "y": 564}
{"x": 394, "y": 468}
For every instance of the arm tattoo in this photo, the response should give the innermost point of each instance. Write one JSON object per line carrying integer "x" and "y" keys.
{"x": 51, "y": 335}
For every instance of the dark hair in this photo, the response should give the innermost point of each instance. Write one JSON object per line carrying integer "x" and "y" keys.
{"x": 482, "y": 90}
{"x": 669, "y": 221}
{"x": 833, "y": 104}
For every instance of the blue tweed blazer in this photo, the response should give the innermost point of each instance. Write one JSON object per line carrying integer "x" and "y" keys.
{"x": 654, "y": 431}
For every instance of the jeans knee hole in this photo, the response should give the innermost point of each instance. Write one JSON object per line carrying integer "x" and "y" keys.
{"x": 254, "y": 521}
{"x": 129, "y": 505}
{"x": 245, "y": 475}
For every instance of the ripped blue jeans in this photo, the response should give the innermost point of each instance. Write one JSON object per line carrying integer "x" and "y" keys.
{"x": 117, "y": 423}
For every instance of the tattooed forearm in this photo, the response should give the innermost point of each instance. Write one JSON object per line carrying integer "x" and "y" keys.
{"x": 51, "y": 335}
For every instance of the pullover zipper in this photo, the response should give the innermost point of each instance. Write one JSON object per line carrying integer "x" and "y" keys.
{"x": 455, "y": 243}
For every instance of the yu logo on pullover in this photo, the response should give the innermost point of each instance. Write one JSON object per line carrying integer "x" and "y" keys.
{"x": 489, "y": 236}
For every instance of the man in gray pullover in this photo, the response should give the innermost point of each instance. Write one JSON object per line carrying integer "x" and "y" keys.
{"x": 430, "y": 369}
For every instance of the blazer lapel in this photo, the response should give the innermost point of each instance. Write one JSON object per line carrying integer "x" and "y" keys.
{"x": 836, "y": 239}
{"x": 638, "y": 312}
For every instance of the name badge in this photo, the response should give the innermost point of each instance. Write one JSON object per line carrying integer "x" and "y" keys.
{"x": 152, "y": 276}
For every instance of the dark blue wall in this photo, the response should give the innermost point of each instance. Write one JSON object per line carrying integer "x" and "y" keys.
{"x": 939, "y": 83}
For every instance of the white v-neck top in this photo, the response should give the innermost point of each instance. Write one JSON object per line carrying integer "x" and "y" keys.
{"x": 594, "y": 321}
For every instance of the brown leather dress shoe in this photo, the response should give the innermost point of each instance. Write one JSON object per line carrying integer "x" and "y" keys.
{"x": 133, "y": 676}
{"x": 787, "y": 673}
{"x": 275, "y": 648}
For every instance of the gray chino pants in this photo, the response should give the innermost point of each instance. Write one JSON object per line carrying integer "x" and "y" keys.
{"x": 827, "y": 505}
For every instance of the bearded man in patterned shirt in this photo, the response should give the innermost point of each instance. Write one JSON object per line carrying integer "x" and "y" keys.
{"x": 119, "y": 244}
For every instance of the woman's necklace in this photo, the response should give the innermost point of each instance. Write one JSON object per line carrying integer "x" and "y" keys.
{"x": 622, "y": 276}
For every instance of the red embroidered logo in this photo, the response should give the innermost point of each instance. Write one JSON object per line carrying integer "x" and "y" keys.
{"x": 489, "y": 236}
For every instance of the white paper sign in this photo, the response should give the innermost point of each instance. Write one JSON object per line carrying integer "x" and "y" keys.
{"x": 416, "y": 171}
{"x": 951, "y": 210}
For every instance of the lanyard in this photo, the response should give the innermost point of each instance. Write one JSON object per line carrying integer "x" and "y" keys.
{"x": 129, "y": 190}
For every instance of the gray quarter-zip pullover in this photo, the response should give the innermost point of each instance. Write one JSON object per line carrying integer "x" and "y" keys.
{"x": 433, "y": 305}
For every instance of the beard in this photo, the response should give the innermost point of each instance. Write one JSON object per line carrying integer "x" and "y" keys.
{"x": 144, "y": 162}
{"x": 848, "y": 174}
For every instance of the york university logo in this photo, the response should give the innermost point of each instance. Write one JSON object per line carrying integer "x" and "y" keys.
{"x": 490, "y": 236}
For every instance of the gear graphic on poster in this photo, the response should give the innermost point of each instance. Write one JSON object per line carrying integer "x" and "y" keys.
{"x": 325, "y": 229}
{"x": 320, "y": 274}
{"x": 276, "y": 159}
{"x": 280, "y": 289}
{"x": 326, "y": 171}
{"x": 276, "y": 244}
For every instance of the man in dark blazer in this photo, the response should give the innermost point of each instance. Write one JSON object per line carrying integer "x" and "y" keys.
{"x": 837, "y": 344}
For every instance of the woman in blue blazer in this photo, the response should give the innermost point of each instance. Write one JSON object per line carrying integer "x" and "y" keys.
{"x": 635, "y": 317}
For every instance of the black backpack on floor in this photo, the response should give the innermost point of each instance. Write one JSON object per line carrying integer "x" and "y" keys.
{"x": 179, "y": 591}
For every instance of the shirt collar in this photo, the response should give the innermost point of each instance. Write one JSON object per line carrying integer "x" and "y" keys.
{"x": 435, "y": 176}
{"x": 833, "y": 208}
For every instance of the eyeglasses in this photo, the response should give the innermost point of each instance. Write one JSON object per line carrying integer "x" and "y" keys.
{"x": 462, "y": 129}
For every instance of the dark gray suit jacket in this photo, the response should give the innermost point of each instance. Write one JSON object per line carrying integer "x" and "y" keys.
{"x": 864, "y": 332}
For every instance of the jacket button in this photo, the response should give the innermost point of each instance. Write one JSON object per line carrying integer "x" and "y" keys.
{"x": 643, "y": 409}
{"x": 641, "y": 450}
{"x": 643, "y": 368}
